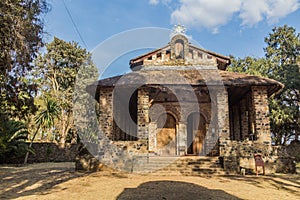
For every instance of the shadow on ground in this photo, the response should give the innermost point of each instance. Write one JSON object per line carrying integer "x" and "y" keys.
{"x": 34, "y": 179}
{"x": 172, "y": 190}
{"x": 287, "y": 182}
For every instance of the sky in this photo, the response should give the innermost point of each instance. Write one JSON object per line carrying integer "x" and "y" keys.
{"x": 228, "y": 27}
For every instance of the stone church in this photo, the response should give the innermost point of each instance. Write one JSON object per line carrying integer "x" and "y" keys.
{"x": 180, "y": 100}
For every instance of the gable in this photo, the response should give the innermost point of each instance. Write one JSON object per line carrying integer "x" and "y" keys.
{"x": 179, "y": 52}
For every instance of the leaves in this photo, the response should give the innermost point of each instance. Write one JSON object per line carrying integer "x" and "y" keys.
{"x": 47, "y": 116}
{"x": 20, "y": 39}
{"x": 56, "y": 71}
{"x": 12, "y": 138}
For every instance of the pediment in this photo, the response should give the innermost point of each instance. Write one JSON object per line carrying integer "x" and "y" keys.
{"x": 179, "y": 52}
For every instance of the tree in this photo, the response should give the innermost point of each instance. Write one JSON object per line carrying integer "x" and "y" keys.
{"x": 250, "y": 65}
{"x": 21, "y": 30}
{"x": 283, "y": 50}
{"x": 44, "y": 119}
{"x": 56, "y": 70}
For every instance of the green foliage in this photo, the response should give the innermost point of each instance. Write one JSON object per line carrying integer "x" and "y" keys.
{"x": 46, "y": 117}
{"x": 283, "y": 46}
{"x": 282, "y": 64}
{"x": 12, "y": 139}
{"x": 56, "y": 71}
{"x": 21, "y": 31}
{"x": 249, "y": 65}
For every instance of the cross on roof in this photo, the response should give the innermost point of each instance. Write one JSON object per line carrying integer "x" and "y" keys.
{"x": 179, "y": 29}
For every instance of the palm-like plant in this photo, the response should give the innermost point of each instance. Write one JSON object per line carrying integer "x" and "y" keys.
{"x": 45, "y": 119}
{"x": 12, "y": 138}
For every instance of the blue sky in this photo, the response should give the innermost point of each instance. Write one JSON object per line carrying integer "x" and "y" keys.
{"x": 228, "y": 27}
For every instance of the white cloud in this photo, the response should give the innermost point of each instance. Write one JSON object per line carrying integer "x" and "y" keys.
{"x": 156, "y": 2}
{"x": 212, "y": 14}
{"x": 153, "y": 2}
{"x": 205, "y": 13}
{"x": 254, "y": 11}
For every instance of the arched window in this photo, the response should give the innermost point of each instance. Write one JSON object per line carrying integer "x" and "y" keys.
{"x": 179, "y": 49}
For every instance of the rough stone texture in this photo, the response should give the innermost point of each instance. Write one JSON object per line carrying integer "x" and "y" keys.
{"x": 261, "y": 114}
{"x": 293, "y": 150}
{"x": 48, "y": 152}
{"x": 87, "y": 162}
{"x": 240, "y": 154}
{"x": 222, "y": 114}
{"x": 244, "y": 112}
{"x": 143, "y": 114}
{"x": 106, "y": 112}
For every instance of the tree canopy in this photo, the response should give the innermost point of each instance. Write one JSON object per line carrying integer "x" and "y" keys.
{"x": 20, "y": 40}
{"x": 56, "y": 72}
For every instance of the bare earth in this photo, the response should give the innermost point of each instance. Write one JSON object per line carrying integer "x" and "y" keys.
{"x": 60, "y": 181}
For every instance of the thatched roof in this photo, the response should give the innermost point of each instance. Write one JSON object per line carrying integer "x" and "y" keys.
{"x": 187, "y": 77}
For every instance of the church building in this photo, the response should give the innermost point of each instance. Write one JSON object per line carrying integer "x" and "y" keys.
{"x": 180, "y": 100}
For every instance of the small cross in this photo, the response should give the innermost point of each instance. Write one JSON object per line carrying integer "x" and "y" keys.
{"x": 179, "y": 29}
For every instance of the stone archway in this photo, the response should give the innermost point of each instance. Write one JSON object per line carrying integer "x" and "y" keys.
{"x": 196, "y": 131}
{"x": 166, "y": 135}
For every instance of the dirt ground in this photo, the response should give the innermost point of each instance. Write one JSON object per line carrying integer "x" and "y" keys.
{"x": 60, "y": 181}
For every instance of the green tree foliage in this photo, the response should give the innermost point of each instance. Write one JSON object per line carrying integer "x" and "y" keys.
{"x": 282, "y": 64}
{"x": 283, "y": 50}
{"x": 45, "y": 119}
{"x": 21, "y": 30}
{"x": 56, "y": 71}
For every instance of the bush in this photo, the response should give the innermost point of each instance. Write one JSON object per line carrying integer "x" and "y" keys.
{"x": 13, "y": 135}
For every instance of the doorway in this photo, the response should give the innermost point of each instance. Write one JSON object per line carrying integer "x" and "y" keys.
{"x": 166, "y": 135}
{"x": 196, "y": 131}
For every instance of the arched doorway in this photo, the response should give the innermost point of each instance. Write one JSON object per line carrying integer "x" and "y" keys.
{"x": 166, "y": 135}
{"x": 196, "y": 131}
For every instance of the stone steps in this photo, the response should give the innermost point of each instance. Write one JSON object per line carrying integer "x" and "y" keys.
{"x": 188, "y": 165}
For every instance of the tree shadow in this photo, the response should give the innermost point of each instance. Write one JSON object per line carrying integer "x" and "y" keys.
{"x": 34, "y": 179}
{"x": 288, "y": 182}
{"x": 172, "y": 190}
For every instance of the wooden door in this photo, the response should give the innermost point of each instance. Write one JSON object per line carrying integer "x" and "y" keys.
{"x": 166, "y": 135}
{"x": 196, "y": 130}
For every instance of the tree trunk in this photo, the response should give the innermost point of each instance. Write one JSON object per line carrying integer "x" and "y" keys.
{"x": 30, "y": 145}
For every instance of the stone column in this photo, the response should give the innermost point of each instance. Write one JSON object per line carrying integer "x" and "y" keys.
{"x": 244, "y": 118}
{"x": 182, "y": 138}
{"x": 152, "y": 136}
{"x": 106, "y": 112}
{"x": 261, "y": 114}
{"x": 222, "y": 114}
{"x": 142, "y": 114}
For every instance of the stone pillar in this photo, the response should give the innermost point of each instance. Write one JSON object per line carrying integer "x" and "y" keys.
{"x": 182, "y": 138}
{"x": 106, "y": 112}
{"x": 142, "y": 114}
{"x": 244, "y": 118}
{"x": 236, "y": 122}
{"x": 222, "y": 114}
{"x": 152, "y": 136}
{"x": 261, "y": 114}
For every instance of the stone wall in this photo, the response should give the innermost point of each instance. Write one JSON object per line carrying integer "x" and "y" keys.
{"x": 240, "y": 154}
{"x": 48, "y": 152}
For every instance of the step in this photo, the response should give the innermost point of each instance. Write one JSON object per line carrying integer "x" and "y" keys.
{"x": 188, "y": 165}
